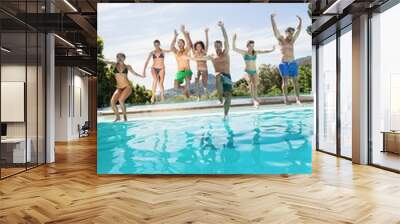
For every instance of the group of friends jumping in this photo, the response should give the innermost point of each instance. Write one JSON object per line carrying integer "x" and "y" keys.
{"x": 185, "y": 51}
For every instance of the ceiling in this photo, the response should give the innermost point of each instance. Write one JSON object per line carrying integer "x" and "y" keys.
{"x": 328, "y": 16}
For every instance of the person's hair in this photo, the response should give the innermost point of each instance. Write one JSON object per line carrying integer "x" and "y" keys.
{"x": 156, "y": 41}
{"x": 247, "y": 45}
{"x": 249, "y": 42}
{"x": 201, "y": 44}
{"x": 218, "y": 42}
{"x": 290, "y": 29}
{"x": 121, "y": 54}
{"x": 182, "y": 40}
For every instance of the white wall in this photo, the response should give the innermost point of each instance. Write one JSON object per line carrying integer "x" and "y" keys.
{"x": 71, "y": 102}
{"x": 16, "y": 73}
{"x": 61, "y": 103}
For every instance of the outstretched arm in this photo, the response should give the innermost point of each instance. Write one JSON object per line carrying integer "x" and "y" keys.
{"x": 187, "y": 38}
{"x": 274, "y": 28}
{"x": 226, "y": 40}
{"x": 234, "y": 48}
{"x": 166, "y": 50}
{"x": 298, "y": 29}
{"x": 265, "y": 51}
{"x": 206, "y": 32}
{"x": 146, "y": 63}
{"x": 133, "y": 71}
{"x": 173, "y": 43}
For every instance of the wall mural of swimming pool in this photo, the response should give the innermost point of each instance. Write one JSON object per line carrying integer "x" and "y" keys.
{"x": 248, "y": 142}
{"x": 170, "y": 87}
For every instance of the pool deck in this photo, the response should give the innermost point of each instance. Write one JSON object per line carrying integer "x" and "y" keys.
{"x": 205, "y": 104}
{"x": 197, "y": 108}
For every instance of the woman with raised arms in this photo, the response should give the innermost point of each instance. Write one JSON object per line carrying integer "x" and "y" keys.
{"x": 250, "y": 57}
{"x": 157, "y": 69}
{"x": 124, "y": 88}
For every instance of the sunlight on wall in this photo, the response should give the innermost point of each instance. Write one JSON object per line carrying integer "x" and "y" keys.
{"x": 327, "y": 96}
{"x": 385, "y": 74}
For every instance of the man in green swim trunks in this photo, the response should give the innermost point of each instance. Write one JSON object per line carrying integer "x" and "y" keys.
{"x": 182, "y": 53}
{"x": 221, "y": 62}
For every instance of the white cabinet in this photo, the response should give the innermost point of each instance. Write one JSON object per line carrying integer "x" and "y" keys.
{"x": 18, "y": 149}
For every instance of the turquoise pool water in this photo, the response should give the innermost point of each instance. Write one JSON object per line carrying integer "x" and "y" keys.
{"x": 249, "y": 142}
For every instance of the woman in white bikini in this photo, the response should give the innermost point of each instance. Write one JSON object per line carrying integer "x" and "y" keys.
{"x": 157, "y": 69}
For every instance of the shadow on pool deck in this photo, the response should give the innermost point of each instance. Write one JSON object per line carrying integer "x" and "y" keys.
{"x": 206, "y": 104}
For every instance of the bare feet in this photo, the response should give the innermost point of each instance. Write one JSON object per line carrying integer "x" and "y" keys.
{"x": 299, "y": 103}
{"x": 117, "y": 118}
{"x": 256, "y": 104}
{"x": 125, "y": 117}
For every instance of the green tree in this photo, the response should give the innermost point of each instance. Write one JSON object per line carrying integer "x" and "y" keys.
{"x": 106, "y": 83}
{"x": 240, "y": 88}
{"x": 105, "y": 80}
{"x": 305, "y": 77}
{"x": 270, "y": 82}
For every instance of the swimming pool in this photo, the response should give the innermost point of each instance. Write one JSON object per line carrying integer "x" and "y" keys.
{"x": 249, "y": 142}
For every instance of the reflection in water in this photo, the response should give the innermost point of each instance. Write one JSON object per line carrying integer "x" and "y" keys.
{"x": 256, "y": 152}
{"x": 207, "y": 148}
{"x": 229, "y": 155}
{"x": 269, "y": 142}
{"x": 119, "y": 154}
{"x": 187, "y": 156}
{"x": 163, "y": 154}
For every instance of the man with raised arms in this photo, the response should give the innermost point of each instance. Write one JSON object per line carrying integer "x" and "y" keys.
{"x": 182, "y": 53}
{"x": 288, "y": 67}
{"x": 221, "y": 62}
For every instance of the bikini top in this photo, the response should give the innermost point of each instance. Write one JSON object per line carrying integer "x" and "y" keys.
{"x": 159, "y": 56}
{"x": 125, "y": 71}
{"x": 248, "y": 57}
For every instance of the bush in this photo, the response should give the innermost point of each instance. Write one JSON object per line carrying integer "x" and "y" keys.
{"x": 305, "y": 79}
{"x": 240, "y": 88}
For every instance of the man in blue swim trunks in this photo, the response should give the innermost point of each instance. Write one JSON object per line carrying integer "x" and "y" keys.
{"x": 221, "y": 62}
{"x": 288, "y": 67}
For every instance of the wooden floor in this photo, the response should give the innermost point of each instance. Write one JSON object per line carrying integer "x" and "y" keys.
{"x": 70, "y": 191}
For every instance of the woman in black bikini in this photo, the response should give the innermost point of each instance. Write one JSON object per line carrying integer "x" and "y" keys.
{"x": 124, "y": 88}
{"x": 157, "y": 69}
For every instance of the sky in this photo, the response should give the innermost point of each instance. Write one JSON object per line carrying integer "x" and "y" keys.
{"x": 131, "y": 28}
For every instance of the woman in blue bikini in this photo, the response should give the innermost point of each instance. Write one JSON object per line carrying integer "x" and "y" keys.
{"x": 157, "y": 69}
{"x": 250, "y": 56}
